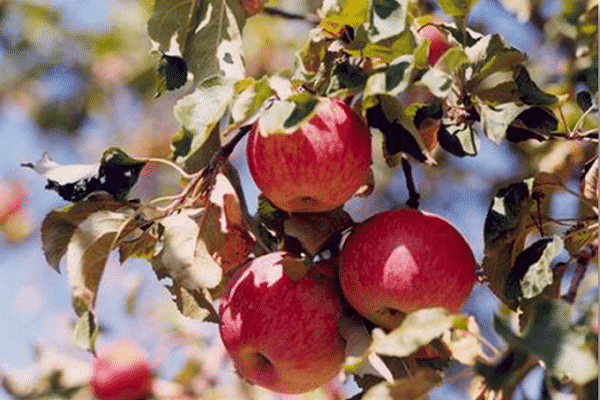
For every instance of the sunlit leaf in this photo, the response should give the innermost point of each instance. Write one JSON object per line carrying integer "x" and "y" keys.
{"x": 116, "y": 174}
{"x": 87, "y": 252}
{"x": 532, "y": 270}
{"x": 58, "y": 226}
{"x": 496, "y": 119}
{"x": 200, "y": 113}
{"x": 86, "y": 331}
{"x": 417, "y": 329}
{"x": 410, "y": 388}
{"x": 250, "y": 100}
{"x": 207, "y": 37}
{"x": 388, "y": 19}
{"x": 504, "y": 234}
{"x": 458, "y": 139}
{"x": 457, "y": 8}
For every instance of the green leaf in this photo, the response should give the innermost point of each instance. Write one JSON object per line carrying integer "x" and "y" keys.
{"x": 529, "y": 92}
{"x": 398, "y": 75}
{"x": 458, "y": 138}
{"x": 86, "y": 332}
{"x": 91, "y": 243}
{"x": 508, "y": 209}
{"x": 200, "y": 113}
{"x": 584, "y": 100}
{"x": 504, "y": 234}
{"x": 116, "y": 174}
{"x": 507, "y": 372}
{"x": 181, "y": 143}
{"x": 207, "y": 35}
{"x": 285, "y": 116}
{"x": 538, "y": 118}
{"x": 248, "y": 103}
{"x": 345, "y": 12}
{"x": 438, "y": 82}
{"x": 179, "y": 258}
{"x": 388, "y": 19}
{"x": 551, "y": 337}
{"x": 416, "y": 330}
{"x": 532, "y": 270}
{"x": 496, "y": 119}
{"x": 172, "y": 72}
{"x": 457, "y": 8}
{"x": 389, "y": 118}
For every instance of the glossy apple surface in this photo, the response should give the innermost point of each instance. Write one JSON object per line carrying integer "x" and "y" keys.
{"x": 400, "y": 261}
{"x": 316, "y": 168}
{"x": 123, "y": 372}
{"x": 282, "y": 334}
{"x": 438, "y": 44}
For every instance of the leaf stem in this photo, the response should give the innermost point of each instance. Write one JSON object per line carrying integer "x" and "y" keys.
{"x": 413, "y": 195}
{"x": 170, "y": 164}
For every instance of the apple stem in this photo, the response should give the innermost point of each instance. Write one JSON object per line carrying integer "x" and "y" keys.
{"x": 413, "y": 195}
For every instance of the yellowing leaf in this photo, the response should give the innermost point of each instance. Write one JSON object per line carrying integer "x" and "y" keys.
{"x": 88, "y": 250}
{"x": 411, "y": 388}
{"x": 58, "y": 226}
{"x": 417, "y": 329}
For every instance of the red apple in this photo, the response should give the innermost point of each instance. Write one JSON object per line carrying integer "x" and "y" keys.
{"x": 13, "y": 199}
{"x": 400, "y": 261}
{"x": 281, "y": 333}
{"x": 317, "y": 167}
{"x": 252, "y": 7}
{"x": 123, "y": 372}
{"x": 438, "y": 44}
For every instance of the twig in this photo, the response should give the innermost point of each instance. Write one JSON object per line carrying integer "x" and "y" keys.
{"x": 413, "y": 195}
{"x": 276, "y": 12}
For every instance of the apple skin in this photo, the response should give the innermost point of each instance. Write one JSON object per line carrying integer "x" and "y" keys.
{"x": 438, "y": 43}
{"x": 122, "y": 372}
{"x": 281, "y": 334}
{"x": 404, "y": 260}
{"x": 316, "y": 168}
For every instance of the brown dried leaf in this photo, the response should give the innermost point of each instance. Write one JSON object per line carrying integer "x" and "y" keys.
{"x": 313, "y": 229}
{"x": 87, "y": 252}
{"x": 58, "y": 226}
{"x": 589, "y": 185}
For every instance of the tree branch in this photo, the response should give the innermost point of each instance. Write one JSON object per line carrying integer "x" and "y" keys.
{"x": 413, "y": 195}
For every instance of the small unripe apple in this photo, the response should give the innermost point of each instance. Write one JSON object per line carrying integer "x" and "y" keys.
{"x": 404, "y": 260}
{"x": 281, "y": 333}
{"x": 123, "y": 372}
{"x": 438, "y": 44}
{"x": 318, "y": 166}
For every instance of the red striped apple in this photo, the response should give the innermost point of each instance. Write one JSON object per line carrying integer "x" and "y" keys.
{"x": 318, "y": 166}
{"x": 282, "y": 333}
{"x": 400, "y": 261}
{"x": 123, "y": 372}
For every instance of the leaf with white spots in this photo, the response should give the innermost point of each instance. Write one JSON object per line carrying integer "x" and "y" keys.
{"x": 115, "y": 174}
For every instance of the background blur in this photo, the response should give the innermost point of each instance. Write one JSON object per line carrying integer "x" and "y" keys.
{"x": 76, "y": 76}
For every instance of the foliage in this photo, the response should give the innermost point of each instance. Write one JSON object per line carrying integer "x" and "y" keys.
{"x": 369, "y": 54}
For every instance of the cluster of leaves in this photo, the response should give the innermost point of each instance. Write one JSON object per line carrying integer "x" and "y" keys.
{"x": 369, "y": 54}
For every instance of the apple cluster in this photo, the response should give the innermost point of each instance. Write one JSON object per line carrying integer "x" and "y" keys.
{"x": 282, "y": 331}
